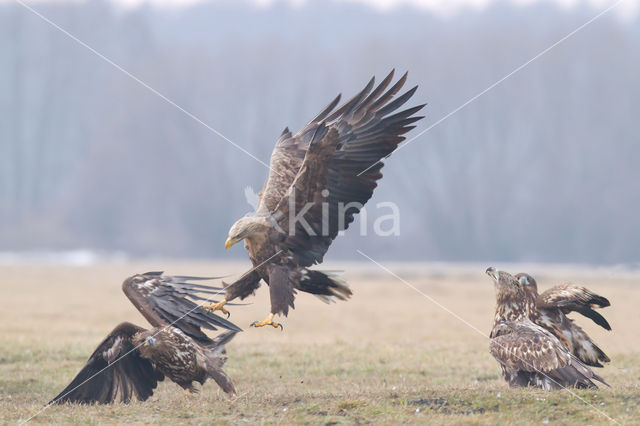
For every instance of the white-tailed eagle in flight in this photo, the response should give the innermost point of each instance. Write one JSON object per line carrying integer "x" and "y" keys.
{"x": 320, "y": 178}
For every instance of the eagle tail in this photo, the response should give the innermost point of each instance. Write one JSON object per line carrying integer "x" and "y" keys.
{"x": 591, "y": 354}
{"x": 327, "y": 286}
{"x": 585, "y": 349}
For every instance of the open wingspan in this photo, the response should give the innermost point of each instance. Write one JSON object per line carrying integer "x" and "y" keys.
{"x": 114, "y": 371}
{"x": 165, "y": 300}
{"x": 341, "y": 167}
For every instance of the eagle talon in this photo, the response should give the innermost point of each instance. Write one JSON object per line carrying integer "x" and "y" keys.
{"x": 217, "y": 307}
{"x": 267, "y": 321}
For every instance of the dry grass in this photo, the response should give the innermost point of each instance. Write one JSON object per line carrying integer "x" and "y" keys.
{"x": 389, "y": 355}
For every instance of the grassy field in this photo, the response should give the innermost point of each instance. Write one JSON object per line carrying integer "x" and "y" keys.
{"x": 388, "y": 355}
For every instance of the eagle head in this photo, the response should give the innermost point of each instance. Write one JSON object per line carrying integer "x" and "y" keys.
{"x": 510, "y": 296}
{"x": 505, "y": 282}
{"x": 246, "y": 227}
{"x": 527, "y": 282}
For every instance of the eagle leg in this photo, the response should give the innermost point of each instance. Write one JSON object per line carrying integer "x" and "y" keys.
{"x": 217, "y": 307}
{"x": 267, "y": 321}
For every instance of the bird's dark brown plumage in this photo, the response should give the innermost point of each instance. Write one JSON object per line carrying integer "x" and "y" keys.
{"x": 528, "y": 354}
{"x": 131, "y": 360}
{"x": 549, "y": 310}
{"x": 329, "y": 165}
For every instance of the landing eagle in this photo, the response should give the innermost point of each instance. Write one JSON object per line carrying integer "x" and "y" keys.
{"x": 528, "y": 354}
{"x": 319, "y": 180}
{"x": 131, "y": 360}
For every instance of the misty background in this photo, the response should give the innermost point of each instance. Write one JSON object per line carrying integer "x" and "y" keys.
{"x": 543, "y": 168}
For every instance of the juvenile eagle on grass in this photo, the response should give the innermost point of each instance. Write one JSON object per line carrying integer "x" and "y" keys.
{"x": 528, "y": 354}
{"x": 319, "y": 180}
{"x": 549, "y": 310}
{"x": 131, "y": 360}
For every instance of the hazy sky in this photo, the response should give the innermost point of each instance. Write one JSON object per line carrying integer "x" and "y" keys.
{"x": 628, "y": 8}
{"x": 443, "y": 7}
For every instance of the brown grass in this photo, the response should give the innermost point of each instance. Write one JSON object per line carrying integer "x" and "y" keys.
{"x": 388, "y": 355}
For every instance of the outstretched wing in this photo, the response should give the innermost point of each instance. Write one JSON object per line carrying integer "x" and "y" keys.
{"x": 286, "y": 159}
{"x": 574, "y": 298}
{"x": 341, "y": 167}
{"x": 115, "y": 371}
{"x": 165, "y": 300}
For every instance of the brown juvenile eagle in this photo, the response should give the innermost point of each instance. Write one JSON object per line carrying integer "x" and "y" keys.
{"x": 319, "y": 180}
{"x": 131, "y": 360}
{"x": 549, "y": 310}
{"x": 528, "y": 354}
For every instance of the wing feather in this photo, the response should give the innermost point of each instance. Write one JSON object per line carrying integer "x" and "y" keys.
{"x": 115, "y": 371}
{"x": 165, "y": 300}
{"x": 360, "y": 119}
{"x": 527, "y": 347}
{"x": 570, "y": 297}
{"x": 340, "y": 158}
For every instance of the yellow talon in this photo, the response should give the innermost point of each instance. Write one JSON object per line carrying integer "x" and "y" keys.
{"x": 187, "y": 392}
{"x": 267, "y": 321}
{"x": 217, "y": 307}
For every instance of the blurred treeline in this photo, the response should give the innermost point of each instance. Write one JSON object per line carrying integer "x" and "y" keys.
{"x": 545, "y": 167}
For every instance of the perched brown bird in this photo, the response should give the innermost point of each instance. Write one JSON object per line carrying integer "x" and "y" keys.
{"x": 131, "y": 360}
{"x": 528, "y": 354}
{"x": 549, "y": 310}
{"x": 320, "y": 178}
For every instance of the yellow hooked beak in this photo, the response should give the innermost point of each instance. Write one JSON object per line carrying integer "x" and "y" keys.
{"x": 230, "y": 241}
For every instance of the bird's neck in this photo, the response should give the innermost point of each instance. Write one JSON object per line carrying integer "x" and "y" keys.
{"x": 530, "y": 304}
{"x": 510, "y": 309}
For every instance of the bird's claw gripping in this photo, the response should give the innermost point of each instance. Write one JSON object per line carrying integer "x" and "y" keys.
{"x": 217, "y": 307}
{"x": 267, "y": 321}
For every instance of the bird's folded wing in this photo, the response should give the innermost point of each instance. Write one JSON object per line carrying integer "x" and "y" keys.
{"x": 115, "y": 371}
{"x": 165, "y": 300}
{"x": 528, "y": 349}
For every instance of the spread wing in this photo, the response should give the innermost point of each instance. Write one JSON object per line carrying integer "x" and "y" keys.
{"x": 341, "y": 167}
{"x": 574, "y": 298}
{"x": 115, "y": 371}
{"x": 165, "y": 300}
{"x": 286, "y": 159}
